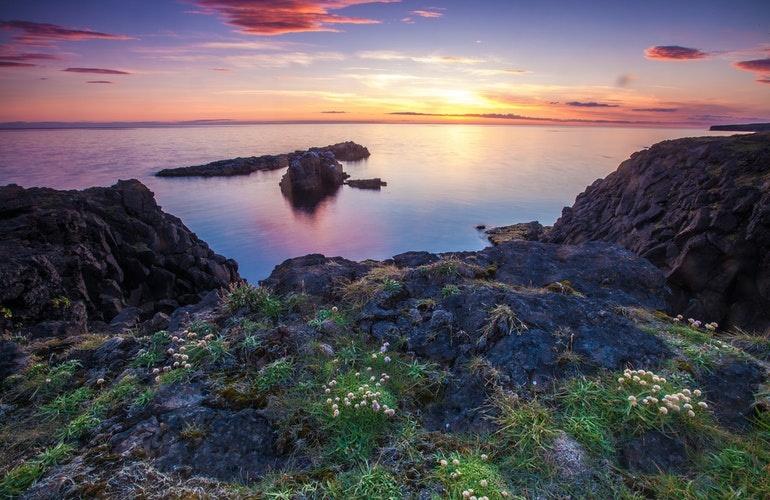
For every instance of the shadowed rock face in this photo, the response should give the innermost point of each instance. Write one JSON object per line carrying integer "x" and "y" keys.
{"x": 69, "y": 257}
{"x": 698, "y": 208}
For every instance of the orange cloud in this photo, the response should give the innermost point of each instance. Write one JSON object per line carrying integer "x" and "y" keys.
{"x": 674, "y": 53}
{"x": 267, "y": 17}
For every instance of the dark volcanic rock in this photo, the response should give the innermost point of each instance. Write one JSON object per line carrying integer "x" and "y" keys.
{"x": 346, "y": 151}
{"x": 529, "y": 231}
{"x": 603, "y": 277}
{"x": 375, "y": 183}
{"x": 654, "y": 452}
{"x": 698, "y": 208}
{"x": 226, "y": 168}
{"x": 223, "y": 444}
{"x": 312, "y": 173}
{"x": 313, "y": 274}
{"x": 68, "y": 257}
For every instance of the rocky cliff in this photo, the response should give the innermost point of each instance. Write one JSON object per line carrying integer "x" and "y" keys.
{"x": 72, "y": 257}
{"x": 699, "y": 209}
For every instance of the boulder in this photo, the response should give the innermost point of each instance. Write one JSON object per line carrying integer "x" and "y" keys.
{"x": 312, "y": 173}
{"x": 698, "y": 208}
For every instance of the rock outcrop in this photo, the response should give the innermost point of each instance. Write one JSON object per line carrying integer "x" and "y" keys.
{"x": 375, "y": 183}
{"x": 345, "y": 151}
{"x": 227, "y": 168}
{"x": 698, "y": 208}
{"x": 312, "y": 173}
{"x": 528, "y": 231}
{"x": 102, "y": 254}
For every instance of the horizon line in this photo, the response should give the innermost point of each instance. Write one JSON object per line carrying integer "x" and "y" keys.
{"x": 53, "y": 125}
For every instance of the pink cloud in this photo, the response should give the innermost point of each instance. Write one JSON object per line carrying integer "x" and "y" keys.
{"x": 430, "y": 12}
{"x": 98, "y": 71}
{"x": 266, "y": 17}
{"x": 674, "y": 53}
{"x": 755, "y": 65}
{"x": 44, "y": 33}
{"x": 761, "y": 66}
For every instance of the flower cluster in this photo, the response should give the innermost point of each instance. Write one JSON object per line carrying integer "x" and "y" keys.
{"x": 365, "y": 394}
{"x": 363, "y": 398}
{"x": 177, "y": 352}
{"x": 694, "y": 323}
{"x": 649, "y": 385}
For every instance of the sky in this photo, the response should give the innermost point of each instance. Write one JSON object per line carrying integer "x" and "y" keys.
{"x": 509, "y": 61}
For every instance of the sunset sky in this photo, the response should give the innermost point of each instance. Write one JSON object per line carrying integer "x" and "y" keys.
{"x": 507, "y": 61}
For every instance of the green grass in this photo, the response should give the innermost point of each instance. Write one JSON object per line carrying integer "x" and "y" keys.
{"x": 460, "y": 473}
{"x": 48, "y": 381}
{"x": 332, "y": 314}
{"x": 67, "y": 404}
{"x": 392, "y": 286}
{"x": 450, "y": 291}
{"x": 154, "y": 353}
{"x": 274, "y": 374}
{"x": 17, "y": 480}
{"x": 79, "y": 426}
{"x": 257, "y": 300}
{"x": 366, "y": 483}
{"x": 144, "y": 398}
{"x": 526, "y": 430}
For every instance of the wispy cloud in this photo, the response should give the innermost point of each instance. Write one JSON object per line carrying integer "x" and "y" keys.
{"x": 590, "y": 104}
{"x": 760, "y": 66}
{"x": 392, "y": 55}
{"x": 427, "y": 13}
{"x": 430, "y": 12}
{"x": 674, "y": 53}
{"x": 98, "y": 71}
{"x": 23, "y": 60}
{"x": 268, "y": 17}
{"x": 15, "y": 64}
{"x": 333, "y": 112}
{"x": 282, "y": 59}
{"x": 45, "y": 34}
{"x": 656, "y": 110}
{"x": 98, "y": 81}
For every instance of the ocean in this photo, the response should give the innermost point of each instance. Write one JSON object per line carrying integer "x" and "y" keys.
{"x": 443, "y": 181}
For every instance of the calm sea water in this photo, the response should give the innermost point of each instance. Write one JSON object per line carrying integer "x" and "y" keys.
{"x": 443, "y": 180}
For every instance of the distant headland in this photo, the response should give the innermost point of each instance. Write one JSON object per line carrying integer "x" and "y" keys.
{"x": 743, "y": 127}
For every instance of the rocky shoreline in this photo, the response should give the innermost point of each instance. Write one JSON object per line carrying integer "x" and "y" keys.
{"x": 135, "y": 362}
{"x": 699, "y": 209}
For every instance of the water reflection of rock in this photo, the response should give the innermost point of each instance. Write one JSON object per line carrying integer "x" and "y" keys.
{"x": 311, "y": 178}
